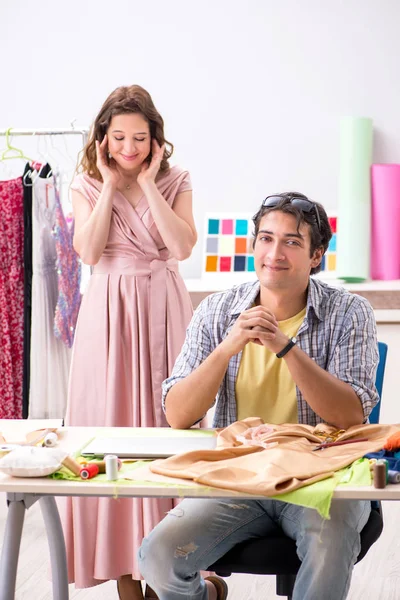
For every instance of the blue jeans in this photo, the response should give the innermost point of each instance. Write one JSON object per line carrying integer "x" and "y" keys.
{"x": 198, "y": 532}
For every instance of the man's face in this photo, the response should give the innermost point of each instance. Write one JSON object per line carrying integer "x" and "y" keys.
{"x": 282, "y": 254}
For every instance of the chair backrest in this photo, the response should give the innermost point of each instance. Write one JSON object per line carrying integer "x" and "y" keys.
{"x": 374, "y": 416}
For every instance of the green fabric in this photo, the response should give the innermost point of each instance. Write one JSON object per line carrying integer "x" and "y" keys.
{"x": 126, "y": 467}
{"x": 316, "y": 495}
{"x": 319, "y": 495}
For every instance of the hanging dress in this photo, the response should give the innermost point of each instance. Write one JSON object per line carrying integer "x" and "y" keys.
{"x": 68, "y": 268}
{"x": 11, "y": 298}
{"x": 50, "y": 358}
{"x": 27, "y": 185}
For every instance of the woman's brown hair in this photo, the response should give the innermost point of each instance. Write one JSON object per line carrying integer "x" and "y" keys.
{"x": 125, "y": 100}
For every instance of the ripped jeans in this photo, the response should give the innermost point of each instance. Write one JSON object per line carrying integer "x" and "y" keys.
{"x": 198, "y": 532}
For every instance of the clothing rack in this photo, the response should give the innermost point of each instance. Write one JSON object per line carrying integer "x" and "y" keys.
{"x": 83, "y": 131}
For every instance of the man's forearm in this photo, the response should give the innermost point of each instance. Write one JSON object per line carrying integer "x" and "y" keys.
{"x": 333, "y": 400}
{"x": 189, "y": 399}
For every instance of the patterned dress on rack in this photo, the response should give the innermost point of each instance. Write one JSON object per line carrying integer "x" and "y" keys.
{"x": 69, "y": 278}
{"x": 11, "y": 298}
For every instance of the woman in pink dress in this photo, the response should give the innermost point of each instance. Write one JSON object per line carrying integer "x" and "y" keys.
{"x": 133, "y": 223}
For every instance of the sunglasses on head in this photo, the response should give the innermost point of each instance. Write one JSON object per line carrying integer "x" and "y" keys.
{"x": 303, "y": 204}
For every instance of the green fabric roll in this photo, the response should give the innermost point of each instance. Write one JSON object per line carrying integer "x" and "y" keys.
{"x": 354, "y": 207}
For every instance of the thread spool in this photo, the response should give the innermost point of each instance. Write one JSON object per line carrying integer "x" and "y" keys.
{"x": 89, "y": 471}
{"x": 383, "y": 461}
{"x": 50, "y": 440}
{"x": 111, "y": 467}
{"x": 102, "y": 464}
{"x": 393, "y": 476}
{"x": 379, "y": 475}
{"x": 72, "y": 465}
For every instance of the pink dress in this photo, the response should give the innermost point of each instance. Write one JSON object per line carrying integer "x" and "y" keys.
{"x": 11, "y": 298}
{"x": 130, "y": 329}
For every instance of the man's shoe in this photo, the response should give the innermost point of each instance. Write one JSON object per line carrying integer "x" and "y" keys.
{"x": 220, "y": 585}
{"x": 150, "y": 593}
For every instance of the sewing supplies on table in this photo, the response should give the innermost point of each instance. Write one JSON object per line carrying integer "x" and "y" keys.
{"x": 88, "y": 471}
{"x": 393, "y": 476}
{"x": 111, "y": 467}
{"x": 379, "y": 475}
{"x": 339, "y": 443}
{"x": 393, "y": 442}
{"x": 72, "y": 465}
{"x": 93, "y": 468}
{"x": 50, "y": 440}
{"x": 328, "y": 435}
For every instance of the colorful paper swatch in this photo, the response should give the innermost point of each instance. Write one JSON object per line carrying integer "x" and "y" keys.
{"x": 229, "y": 243}
{"x": 328, "y": 264}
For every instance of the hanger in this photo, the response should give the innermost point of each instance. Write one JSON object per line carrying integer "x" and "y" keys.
{"x": 17, "y": 153}
{"x": 65, "y": 155}
{"x": 44, "y": 156}
{"x": 37, "y": 166}
{"x": 32, "y": 172}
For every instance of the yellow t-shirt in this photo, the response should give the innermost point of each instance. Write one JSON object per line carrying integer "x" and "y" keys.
{"x": 264, "y": 386}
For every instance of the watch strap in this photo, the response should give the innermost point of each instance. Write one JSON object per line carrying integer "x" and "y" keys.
{"x": 286, "y": 349}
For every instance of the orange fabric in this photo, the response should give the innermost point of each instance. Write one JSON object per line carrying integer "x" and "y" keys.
{"x": 287, "y": 465}
{"x": 393, "y": 442}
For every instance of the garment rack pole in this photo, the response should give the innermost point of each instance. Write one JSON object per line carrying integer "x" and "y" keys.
{"x": 83, "y": 131}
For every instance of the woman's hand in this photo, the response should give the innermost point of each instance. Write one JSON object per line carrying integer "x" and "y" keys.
{"x": 108, "y": 171}
{"x": 149, "y": 172}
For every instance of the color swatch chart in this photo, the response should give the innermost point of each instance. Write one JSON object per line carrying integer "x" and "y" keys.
{"x": 228, "y": 243}
{"x": 328, "y": 264}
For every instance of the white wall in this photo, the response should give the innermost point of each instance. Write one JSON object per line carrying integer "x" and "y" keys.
{"x": 389, "y": 333}
{"x": 251, "y": 92}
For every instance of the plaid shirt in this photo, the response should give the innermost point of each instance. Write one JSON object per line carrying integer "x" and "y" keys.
{"x": 338, "y": 332}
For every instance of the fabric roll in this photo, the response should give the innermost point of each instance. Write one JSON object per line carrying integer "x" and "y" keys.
{"x": 354, "y": 206}
{"x": 385, "y": 245}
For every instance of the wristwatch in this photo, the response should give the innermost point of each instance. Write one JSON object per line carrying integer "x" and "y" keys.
{"x": 286, "y": 349}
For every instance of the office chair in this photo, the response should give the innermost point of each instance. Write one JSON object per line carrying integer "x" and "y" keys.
{"x": 374, "y": 416}
{"x": 276, "y": 554}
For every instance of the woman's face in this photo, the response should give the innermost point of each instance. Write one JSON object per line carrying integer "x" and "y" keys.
{"x": 129, "y": 140}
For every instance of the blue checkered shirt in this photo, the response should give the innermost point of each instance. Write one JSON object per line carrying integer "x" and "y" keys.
{"x": 338, "y": 332}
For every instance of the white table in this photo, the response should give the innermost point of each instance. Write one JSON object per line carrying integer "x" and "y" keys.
{"x": 22, "y": 493}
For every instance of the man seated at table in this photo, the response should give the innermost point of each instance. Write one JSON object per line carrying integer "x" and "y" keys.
{"x": 312, "y": 358}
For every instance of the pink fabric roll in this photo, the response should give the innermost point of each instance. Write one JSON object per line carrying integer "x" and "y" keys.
{"x": 385, "y": 242}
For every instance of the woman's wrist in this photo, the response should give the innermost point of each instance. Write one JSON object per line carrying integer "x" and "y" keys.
{"x": 148, "y": 186}
{"x": 109, "y": 186}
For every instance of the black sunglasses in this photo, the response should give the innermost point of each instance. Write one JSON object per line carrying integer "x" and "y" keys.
{"x": 304, "y": 204}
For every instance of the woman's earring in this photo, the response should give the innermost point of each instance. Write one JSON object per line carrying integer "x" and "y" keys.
{"x": 109, "y": 155}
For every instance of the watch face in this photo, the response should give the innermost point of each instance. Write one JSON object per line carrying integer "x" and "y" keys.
{"x": 294, "y": 340}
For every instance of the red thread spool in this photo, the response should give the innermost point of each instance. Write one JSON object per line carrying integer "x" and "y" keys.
{"x": 89, "y": 471}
